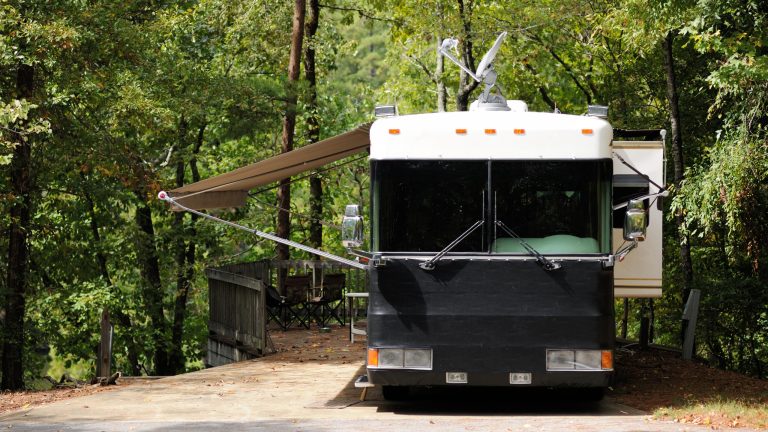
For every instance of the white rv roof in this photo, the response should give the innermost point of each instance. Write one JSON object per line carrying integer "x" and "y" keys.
{"x": 491, "y": 135}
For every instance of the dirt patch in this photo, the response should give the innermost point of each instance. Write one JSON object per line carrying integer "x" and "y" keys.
{"x": 314, "y": 346}
{"x": 13, "y": 401}
{"x": 662, "y": 383}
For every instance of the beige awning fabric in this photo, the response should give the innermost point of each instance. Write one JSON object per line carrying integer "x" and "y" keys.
{"x": 231, "y": 189}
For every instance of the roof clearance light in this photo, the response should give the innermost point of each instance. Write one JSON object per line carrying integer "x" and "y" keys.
{"x": 490, "y": 131}
{"x": 394, "y": 131}
{"x": 587, "y": 131}
{"x": 461, "y": 131}
{"x": 519, "y": 131}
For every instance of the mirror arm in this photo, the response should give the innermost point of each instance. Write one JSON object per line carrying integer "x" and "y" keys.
{"x": 624, "y": 251}
{"x": 661, "y": 193}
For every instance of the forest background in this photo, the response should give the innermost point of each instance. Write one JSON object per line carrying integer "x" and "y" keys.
{"x": 103, "y": 104}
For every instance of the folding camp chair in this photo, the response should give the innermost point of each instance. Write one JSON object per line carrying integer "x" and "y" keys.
{"x": 277, "y": 308}
{"x": 296, "y": 292}
{"x": 292, "y": 307}
{"x": 329, "y": 303}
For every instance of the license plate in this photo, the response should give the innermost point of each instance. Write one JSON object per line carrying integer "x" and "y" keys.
{"x": 520, "y": 378}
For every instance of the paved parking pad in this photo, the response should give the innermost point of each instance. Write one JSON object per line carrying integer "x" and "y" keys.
{"x": 277, "y": 395}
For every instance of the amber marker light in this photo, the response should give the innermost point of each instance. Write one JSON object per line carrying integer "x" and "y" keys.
{"x": 461, "y": 131}
{"x": 519, "y": 131}
{"x": 587, "y": 131}
{"x": 490, "y": 131}
{"x": 606, "y": 360}
{"x": 373, "y": 357}
{"x": 394, "y": 131}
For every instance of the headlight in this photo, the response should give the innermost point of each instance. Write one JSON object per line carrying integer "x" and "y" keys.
{"x": 400, "y": 358}
{"x": 581, "y": 360}
{"x": 560, "y": 359}
{"x": 390, "y": 358}
{"x": 587, "y": 359}
{"x": 418, "y": 359}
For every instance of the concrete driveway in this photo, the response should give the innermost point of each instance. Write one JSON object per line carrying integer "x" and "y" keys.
{"x": 272, "y": 394}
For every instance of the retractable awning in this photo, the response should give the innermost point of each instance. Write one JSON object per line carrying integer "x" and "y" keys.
{"x": 231, "y": 189}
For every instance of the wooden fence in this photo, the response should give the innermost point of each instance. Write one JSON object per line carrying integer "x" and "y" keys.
{"x": 236, "y": 326}
{"x": 237, "y": 303}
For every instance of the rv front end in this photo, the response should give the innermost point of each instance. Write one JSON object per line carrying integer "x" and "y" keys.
{"x": 490, "y": 323}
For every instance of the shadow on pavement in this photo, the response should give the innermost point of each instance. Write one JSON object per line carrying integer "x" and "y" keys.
{"x": 479, "y": 401}
{"x": 502, "y": 401}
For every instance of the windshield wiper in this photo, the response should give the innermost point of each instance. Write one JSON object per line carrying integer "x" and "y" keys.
{"x": 545, "y": 263}
{"x": 430, "y": 263}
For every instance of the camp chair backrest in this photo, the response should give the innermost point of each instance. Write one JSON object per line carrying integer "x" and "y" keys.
{"x": 333, "y": 286}
{"x": 296, "y": 288}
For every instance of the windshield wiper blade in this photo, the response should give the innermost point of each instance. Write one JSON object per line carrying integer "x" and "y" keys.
{"x": 430, "y": 263}
{"x": 545, "y": 263}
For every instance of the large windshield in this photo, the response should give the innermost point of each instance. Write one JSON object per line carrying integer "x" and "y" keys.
{"x": 422, "y": 206}
{"x": 558, "y": 207}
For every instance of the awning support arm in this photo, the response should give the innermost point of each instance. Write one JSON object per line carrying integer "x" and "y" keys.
{"x": 167, "y": 198}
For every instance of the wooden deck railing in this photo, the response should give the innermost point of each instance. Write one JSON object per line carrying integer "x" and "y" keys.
{"x": 236, "y": 325}
{"x": 237, "y": 303}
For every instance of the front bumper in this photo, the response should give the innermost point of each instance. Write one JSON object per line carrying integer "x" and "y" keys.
{"x": 491, "y": 379}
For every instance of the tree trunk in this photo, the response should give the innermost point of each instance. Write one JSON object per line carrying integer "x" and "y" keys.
{"x": 152, "y": 290}
{"x": 101, "y": 260}
{"x": 313, "y": 126}
{"x": 466, "y": 83}
{"x": 678, "y": 162}
{"x": 18, "y": 247}
{"x": 175, "y": 355}
{"x": 185, "y": 255}
{"x": 289, "y": 124}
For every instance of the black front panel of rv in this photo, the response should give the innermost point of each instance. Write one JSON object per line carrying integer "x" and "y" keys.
{"x": 490, "y": 318}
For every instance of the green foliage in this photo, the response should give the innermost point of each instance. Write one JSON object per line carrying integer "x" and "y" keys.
{"x": 735, "y": 322}
{"x": 16, "y": 124}
{"x": 128, "y": 94}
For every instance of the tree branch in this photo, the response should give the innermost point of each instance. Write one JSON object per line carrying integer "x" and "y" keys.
{"x": 424, "y": 68}
{"x": 362, "y": 13}
{"x": 542, "y": 90}
{"x": 563, "y": 63}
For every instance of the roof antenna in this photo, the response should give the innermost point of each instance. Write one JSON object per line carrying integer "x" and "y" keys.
{"x": 485, "y": 73}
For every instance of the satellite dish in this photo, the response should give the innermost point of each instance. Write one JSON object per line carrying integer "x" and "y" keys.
{"x": 485, "y": 73}
{"x": 489, "y": 56}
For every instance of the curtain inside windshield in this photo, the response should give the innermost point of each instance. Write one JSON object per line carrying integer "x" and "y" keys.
{"x": 422, "y": 206}
{"x": 555, "y": 206}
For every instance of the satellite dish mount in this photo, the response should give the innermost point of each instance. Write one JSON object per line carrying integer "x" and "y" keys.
{"x": 484, "y": 74}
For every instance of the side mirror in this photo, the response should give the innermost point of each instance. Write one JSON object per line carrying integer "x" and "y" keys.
{"x": 634, "y": 221}
{"x": 352, "y": 227}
